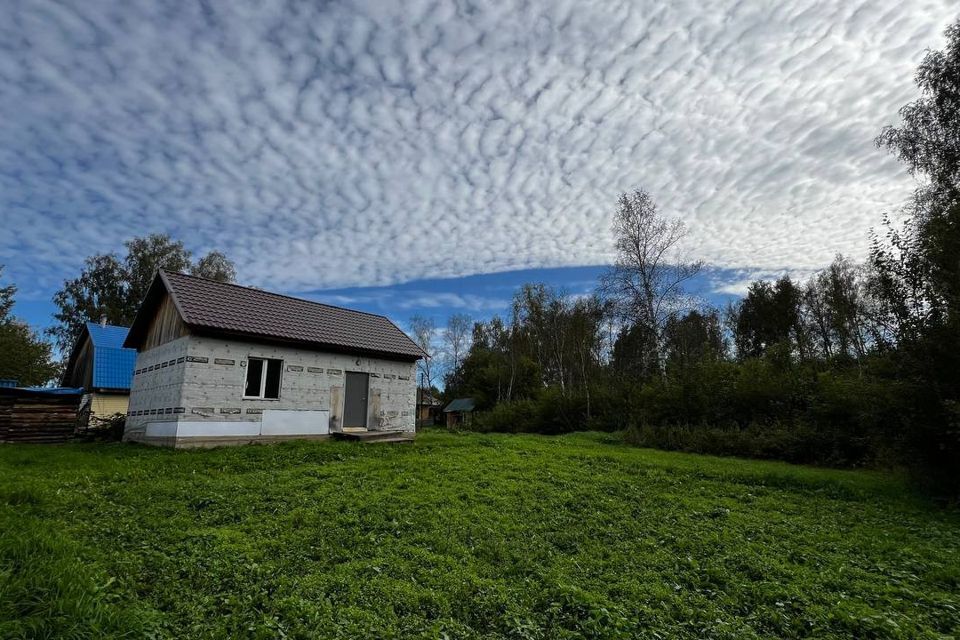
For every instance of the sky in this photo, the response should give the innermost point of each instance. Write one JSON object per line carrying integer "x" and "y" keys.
{"x": 428, "y": 157}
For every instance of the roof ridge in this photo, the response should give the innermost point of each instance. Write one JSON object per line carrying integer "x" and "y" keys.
{"x": 94, "y": 323}
{"x": 278, "y": 295}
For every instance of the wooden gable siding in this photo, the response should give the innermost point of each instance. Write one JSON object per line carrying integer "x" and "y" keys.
{"x": 165, "y": 326}
{"x": 81, "y": 374}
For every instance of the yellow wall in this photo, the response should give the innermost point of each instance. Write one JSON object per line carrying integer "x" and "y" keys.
{"x": 104, "y": 405}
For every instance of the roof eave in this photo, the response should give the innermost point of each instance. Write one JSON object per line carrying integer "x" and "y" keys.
{"x": 200, "y": 329}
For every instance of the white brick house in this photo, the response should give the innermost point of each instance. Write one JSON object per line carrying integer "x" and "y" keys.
{"x": 223, "y": 364}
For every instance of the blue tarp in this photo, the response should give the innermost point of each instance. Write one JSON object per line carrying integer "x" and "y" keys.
{"x": 55, "y": 391}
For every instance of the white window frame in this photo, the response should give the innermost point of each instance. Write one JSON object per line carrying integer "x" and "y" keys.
{"x": 263, "y": 378}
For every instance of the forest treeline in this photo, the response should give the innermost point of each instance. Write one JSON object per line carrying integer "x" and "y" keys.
{"x": 860, "y": 365}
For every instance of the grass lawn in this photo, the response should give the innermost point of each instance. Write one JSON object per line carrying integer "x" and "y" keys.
{"x": 463, "y": 536}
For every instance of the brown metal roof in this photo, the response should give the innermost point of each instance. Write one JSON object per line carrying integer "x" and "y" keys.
{"x": 218, "y": 307}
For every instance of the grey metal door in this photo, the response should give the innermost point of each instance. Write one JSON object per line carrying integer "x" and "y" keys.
{"x": 355, "y": 400}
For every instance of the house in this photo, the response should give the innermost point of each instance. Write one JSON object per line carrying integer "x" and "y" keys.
{"x": 224, "y": 364}
{"x": 104, "y": 369}
{"x": 459, "y": 411}
{"x": 428, "y": 407}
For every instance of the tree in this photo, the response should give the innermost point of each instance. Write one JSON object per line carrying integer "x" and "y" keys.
{"x": 632, "y": 352}
{"x": 215, "y": 266}
{"x": 918, "y": 267}
{"x": 915, "y": 271}
{"x": 456, "y": 337}
{"x": 585, "y": 319}
{"x": 423, "y": 330}
{"x": 835, "y": 308}
{"x": 928, "y": 140}
{"x": 6, "y": 298}
{"x": 112, "y": 287}
{"x": 24, "y": 356}
{"x": 769, "y": 315}
{"x": 646, "y": 279}
{"x": 145, "y": 256}
{"x": 496, "y": 368}
{"x": 694, "y": 338}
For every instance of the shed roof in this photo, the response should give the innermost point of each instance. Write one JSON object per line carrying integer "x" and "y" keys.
{"x": 224, "y": 308}
{"x": 113, "y": 365}
{"x": 460, "y": 404}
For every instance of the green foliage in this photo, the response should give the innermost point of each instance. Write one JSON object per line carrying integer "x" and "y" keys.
{"x": 6, "y": 299}
{"x": 24, "y": 356}
{"x": 104, "y": 428}
{"x": 762, "y": 407}
{"x": 113, "y": 287}
{"x": 916, "y": 268}
{"x": 769, "y": 315}
{"x": 463, "y": 536}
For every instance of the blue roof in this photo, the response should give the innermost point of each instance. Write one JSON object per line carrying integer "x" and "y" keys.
{"x": 112, "y": 364}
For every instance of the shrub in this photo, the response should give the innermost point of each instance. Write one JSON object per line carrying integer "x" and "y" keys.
{"x": 760, "y": 408}
{"x": 109, "y": 428}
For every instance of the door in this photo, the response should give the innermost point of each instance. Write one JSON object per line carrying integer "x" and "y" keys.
{"x": 355, "y": 400}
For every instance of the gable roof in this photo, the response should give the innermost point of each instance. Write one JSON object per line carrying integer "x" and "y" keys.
{"x": 112, "y": 363}
{"x": 460, "y": 404}
{"x": 107, "y": 336}
{"x": 208, "y": 306}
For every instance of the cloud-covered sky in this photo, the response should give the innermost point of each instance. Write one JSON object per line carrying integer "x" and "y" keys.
{"x": 328, "y": 145}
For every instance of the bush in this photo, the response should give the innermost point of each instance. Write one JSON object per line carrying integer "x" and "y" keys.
{"x": 799, "y": 442}
{"x": 110, "y": 428}
{"x": 760, "y": 408}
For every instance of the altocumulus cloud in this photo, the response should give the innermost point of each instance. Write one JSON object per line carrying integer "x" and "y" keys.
{"x": 355, "y": 143}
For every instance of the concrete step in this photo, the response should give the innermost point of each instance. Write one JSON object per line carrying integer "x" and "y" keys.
{"x": 374, "y": 436}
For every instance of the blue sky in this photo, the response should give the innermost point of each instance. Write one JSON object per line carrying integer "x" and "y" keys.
{"x": 428, "y": 156}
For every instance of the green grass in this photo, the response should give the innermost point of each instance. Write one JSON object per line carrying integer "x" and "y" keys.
{"x": 463, "y": 536}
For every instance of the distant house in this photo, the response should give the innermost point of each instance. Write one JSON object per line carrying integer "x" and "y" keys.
{"x": 459, "y": 411}
{"x": 224, "y": 364}
{"x": 104, "y": 369}
{"x": 429, "y": 407}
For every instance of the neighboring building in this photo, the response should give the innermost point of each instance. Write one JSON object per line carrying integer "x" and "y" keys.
{"x": 224, "y": 364}
{"x": 459, "y": 411}
{"x": 429, "y": 407}
{"x": 104, "y": 369}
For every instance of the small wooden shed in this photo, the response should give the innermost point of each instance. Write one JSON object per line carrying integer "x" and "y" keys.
{"x": 459, "y": 412}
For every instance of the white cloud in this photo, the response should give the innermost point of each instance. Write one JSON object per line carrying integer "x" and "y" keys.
{"x": 368, "y": 143}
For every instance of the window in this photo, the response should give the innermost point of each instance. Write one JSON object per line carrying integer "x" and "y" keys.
{"x": 263, "y": 378}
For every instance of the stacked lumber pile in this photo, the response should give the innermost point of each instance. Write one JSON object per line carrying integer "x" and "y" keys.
{"x": 28, "y": 415}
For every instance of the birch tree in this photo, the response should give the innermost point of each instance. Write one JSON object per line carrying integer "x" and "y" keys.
{"x": 646, "y": 280}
